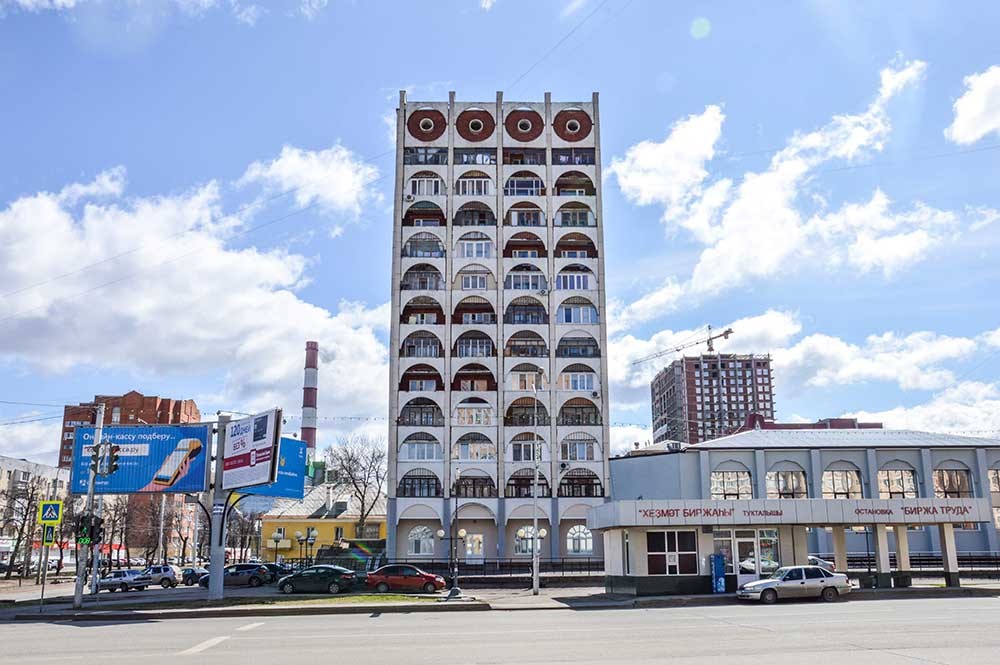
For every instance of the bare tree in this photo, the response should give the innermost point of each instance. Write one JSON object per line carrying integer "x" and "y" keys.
{"x": 358, "y": 464}
{"x": 20, "y": 504}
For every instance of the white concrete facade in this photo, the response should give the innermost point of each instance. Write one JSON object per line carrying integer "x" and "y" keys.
{"x": 475, "y": 296}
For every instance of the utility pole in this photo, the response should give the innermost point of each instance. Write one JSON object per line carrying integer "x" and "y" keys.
{"x": 95, "y": 572}
{"x": 81, "y": 567}
{"x": 218, "y": 545}
{"x": 161, "y": 555}
{"x": 535, "y": 541}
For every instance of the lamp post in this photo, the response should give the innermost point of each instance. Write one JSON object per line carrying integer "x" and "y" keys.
{"x": 311, "y": 535}
{"x": 537, "y": 535}
{"x": 299, "y": 536}
{"x": 453, "y": 540}
{"x": 536, "y": 454}
{"x": 276, "y": 537}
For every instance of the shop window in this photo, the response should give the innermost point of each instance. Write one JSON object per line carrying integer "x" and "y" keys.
{"x": 731, "y": 485}
{"x": 672, "y": 552}
{"x": 579, "y": 540}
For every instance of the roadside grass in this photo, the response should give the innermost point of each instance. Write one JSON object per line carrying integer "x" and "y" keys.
{"x": 300, "y": 599}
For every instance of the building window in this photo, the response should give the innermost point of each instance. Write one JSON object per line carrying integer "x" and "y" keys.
{"x": 577, "y": 449}
{"x": 786, "y": 485}
{"x": 469, "y": 156}
{"x": 576, "y": 381}
{"x": 420, "y": 542}
{"x": 475, "y": 249}
{"x": 281, "y": 532}
{"x": 671, "y": 553}
{"x": 579, "y": 540}
{"x": 475, "y": 347}
{"x": 729, "y": 485}
{"x": 526, "y": 218}
{"x": 525, "y": 281}
{"x": 522, "y": 451}
{"x": 524, "y": 186}
{"x": 417, "y": 156}
{"x": 522, "y": 482}
{"x": 573, "y": 281}
{"x": 952, "y": 484}
{"x": 474, "y": 447}
{"x": 420, "y": 446}
{"x": 474, "y": 282}
{"x": 472, "y": 186}
{"x": 116, "y": 415}
{"x": 577, "y": 313}
{"x": 524, "y": 544}
{"x": 580, "y": 483}
{"x": 842, "y": 484}
{"x": 475, "y": 487}
{"x": 426, "y": 186}
{"x": 995, "y": 495}
{"x": 419, "y": 483}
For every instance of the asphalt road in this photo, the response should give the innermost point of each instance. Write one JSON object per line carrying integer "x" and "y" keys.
{"x": 963, "y": 631}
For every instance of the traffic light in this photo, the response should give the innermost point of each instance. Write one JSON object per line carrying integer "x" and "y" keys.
{"x": 113, "y": 459}
{"x": 83, "y": 530}
{"x": 95, "y": 459}
{"x": 97, "y": 529}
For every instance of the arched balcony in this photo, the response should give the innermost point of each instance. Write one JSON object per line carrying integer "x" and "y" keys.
{"x": 420, "y": 378}
{"x": 574, "y": 183}
{"x": 473, "y": 412}
{"x": 475, "y": 277}
{"x": 424, "y": 245}
{"x": 419, "y": 483}
{"x": 474, "y": 183}
{"x": 475, "y": 213}
{"x": 525, "y": 245}
{"x": 526, "y": 412}
{"x": 579, "y": 447}
{"x": 526, "y": 344}
{"x": 580, "y": 483}
{"x": 475, "y": 484}
{"x": 474, "y": 245}
{"x": 578, "y": 377}
{"x": 525, "y": 277}
{"x": 425, "y": 183}
{"x": 474, "y": 310}
{"x": 420, "y": 447}
{"x": 579, "y": 411}
{"x": 576, "y": 246}
{"x": 577, "y": 346}
{"x": 526, "y": 376}
{"x": 421, "y": 412}
{"x": 526, "y": 310}
{"x": 575, "y": 214}
{"x": 421, "y": 344}
{"x": 422, "y": 311}
{"x": 474, "y": 378}
{"x": 474, "y": 344}
{"x": 521, "y": 485}
{"x": 474, "y": 447}
{"x": 524, "y": 447}
{"x": 424, "y": 213}
{"x": 524, "y": 183}
{"x": 524, "y": 214}
{"x": 577, "y": 310}
{"x": 422, "y": 277}
{"x": 576, "y": 277}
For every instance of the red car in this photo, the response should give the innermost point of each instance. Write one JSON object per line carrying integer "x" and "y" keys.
{"x": 404, "y": 578}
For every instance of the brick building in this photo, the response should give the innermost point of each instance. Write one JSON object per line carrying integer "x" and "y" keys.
{"x": 699, "y": 398}
{"x": 132, "y": 408}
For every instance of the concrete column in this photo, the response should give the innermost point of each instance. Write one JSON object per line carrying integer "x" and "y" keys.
{"x": 926, "y": 490}
{"x": 760, "y": 475}
{"x": 705, "y": 469}
{"x": 390, "y": 528}
{"x": 949, "y": 555}
{"x": 816, "y": 491}
{"x": 883, "y": 571}
{"x": 839, "y": 549}
{"x": 982, "y": 483}
{"x": 800, "y": 546}
{"x": 902, "y": 548}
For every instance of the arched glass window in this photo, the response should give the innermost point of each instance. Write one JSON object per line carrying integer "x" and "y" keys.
{"x": 420, "y": 541}
{"x": 842, "y": 484}
{"x": 420, "y": 446}
{"x": 524, "y": 183}
{"x": 473, "y": 411}
{"x": 470, "y": 486}
{"x": 422, "y": 277}
{"x": 475, "y": 245}
{"x": 474, "y": 183}
{"x": 521, "y": 483}
{"x": 524, "y": 540}
{"x": 426, "y": 183}
{"x": 524, "y": 411}
{"x": 731, "y": 485}
{"x": 579, "y": 540}
{"x": 474, "y": 447}
{"x": 425, "y": 245}
{"x": 577, "y": 310}
{"x": 897, "y": 483}
{"x": 787, "y": 484}
{"x": 522, "y": 446}
{"x": 578, "y": 377}
{"x": 578, "y": 448}
{"x": 575, "y": 278}
{"x": 421, "y": 412}
{"x": 579, "y": 411}
{"x": 952, "y": 484}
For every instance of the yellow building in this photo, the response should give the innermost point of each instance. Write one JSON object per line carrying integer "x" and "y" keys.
{"x": 330, "y": 514}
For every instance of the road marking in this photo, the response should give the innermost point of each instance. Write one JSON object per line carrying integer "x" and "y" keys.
{"x": 250, "y": 626}
{"x": 207, "y": 644}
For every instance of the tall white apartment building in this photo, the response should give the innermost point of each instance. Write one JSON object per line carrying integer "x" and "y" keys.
{"x": 498, "y": 330}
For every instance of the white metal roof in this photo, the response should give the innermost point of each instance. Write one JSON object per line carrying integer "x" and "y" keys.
{"x": 843, "y": 438}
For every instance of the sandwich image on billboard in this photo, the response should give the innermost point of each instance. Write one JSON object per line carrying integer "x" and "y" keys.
{"x": 149, "y": 458}
{"x": 251, "y": 450}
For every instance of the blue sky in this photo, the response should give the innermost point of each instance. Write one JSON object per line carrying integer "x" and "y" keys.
{"x": 190, "y": 189}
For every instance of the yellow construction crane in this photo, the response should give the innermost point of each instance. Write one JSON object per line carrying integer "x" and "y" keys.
{"x": 705, "y": 340}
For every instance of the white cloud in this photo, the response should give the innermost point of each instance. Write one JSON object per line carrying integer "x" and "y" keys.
{"x": 765, "y": 205}
{"x": 971, "y": 407}
{"x": 334, "y": 178}
{"x": 35, "y": 442}
{"x": 311, "y": 8}
{"x": 487, "y": 5}
{"x": 624, "y": 437}
{"x": 571, "y": 7}
{"x": 977, "y": 111}
{"x": 182, "y": 303}
{"x": 241, "y": 11}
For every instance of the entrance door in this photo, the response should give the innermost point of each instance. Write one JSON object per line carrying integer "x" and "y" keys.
{"x": 746, "y": 558}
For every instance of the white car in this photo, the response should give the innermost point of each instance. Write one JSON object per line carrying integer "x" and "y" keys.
{"x": 121, "y": 580}
{"x": 797, "y": 582}
{"x": 822, "y": 563}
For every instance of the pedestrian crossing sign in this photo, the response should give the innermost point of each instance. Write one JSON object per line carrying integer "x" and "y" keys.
{"x": 50, "y": 512}
{"x": 48, "y": 535}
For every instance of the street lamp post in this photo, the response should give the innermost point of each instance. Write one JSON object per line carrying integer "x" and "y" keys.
{"x": 276, "y": 537}
{"x": 537, "y": 535}
{"x": 311, "y": 535}
{"x": 453, "y": 540}
{"x": 299, "y": 536}
{"x": 536, "y": 454}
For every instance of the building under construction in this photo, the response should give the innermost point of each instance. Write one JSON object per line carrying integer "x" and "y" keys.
{"x": 697, "y": 398}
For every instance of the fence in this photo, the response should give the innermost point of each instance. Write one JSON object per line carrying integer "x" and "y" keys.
{"x": 986, "y": 564}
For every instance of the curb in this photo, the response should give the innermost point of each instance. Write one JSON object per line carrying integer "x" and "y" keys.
{"x": 144, "y": 615}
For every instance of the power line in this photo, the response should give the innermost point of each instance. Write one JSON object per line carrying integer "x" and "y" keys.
{"x": 3, "y": 401}
{"x": 557, "y": 45}
{"x": 29, "y": 420}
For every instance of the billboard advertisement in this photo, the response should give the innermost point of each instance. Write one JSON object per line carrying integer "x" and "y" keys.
{"x": 250, "y": 451}
{"x": 150, "y": 458}
{"x": 291, "y": 480}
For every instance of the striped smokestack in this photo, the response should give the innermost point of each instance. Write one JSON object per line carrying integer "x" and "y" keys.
{"x": 309, "y": 387}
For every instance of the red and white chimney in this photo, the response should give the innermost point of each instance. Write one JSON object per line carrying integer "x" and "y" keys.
{"x": 310, "y": 384}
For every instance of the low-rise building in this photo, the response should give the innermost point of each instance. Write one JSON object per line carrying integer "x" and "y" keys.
{"x": 333, "y": 513}
{"x": 767, "y": 497}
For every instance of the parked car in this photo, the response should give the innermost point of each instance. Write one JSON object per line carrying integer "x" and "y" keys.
{"x": 240, "y": 574}
{"x": 403, "y": 578}
{"x": 319, "y": 579}
{"x": 822, "y": 563}
{"x": 191, "y": 575}
{"x": 797, "y": 582}
{"x": 122, "y": 580}
{"x": 277, "y": 571}
{"x": 165, "y": 576}
{"x": 749, "y": 566}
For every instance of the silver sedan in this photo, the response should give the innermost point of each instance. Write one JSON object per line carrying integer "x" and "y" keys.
{"x": 797, "y": 582}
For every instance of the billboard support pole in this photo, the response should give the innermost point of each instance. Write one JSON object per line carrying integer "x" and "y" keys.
{"x": 98, "y": 550}
{"x": 81, "y": 570}
{"x": 218, "y": 544}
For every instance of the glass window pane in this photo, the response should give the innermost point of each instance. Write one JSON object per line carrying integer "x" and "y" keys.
{"x": 656, "y": 541}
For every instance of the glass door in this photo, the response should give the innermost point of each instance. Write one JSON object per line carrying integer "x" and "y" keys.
{"x": 746, "y": 557}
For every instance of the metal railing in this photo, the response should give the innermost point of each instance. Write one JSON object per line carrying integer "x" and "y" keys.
{"x": 986, "y": 563}
{"x": 507, "y": 567}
